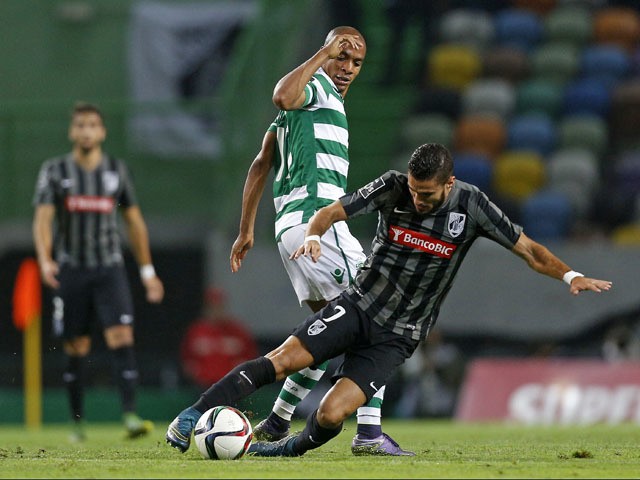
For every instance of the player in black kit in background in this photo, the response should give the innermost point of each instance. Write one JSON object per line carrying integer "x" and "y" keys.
{"x": 80, "y": 194}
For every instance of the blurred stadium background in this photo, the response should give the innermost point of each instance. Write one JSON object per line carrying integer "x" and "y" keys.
{"x": 539, "y": 101}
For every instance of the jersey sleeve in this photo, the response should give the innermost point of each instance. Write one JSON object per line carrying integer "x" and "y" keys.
{"x": 494, "y": 224}
{"x": 370, "y": 197}
{"x": 127, "y": 196}
{"x": 310, "y": 93}
{"x": 45, "y": 188}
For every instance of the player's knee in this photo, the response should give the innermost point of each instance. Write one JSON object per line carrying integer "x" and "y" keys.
{"x": 289, "y": 358}
{"x": 332, "y": 413}
{"x": 119, "y": 336}
{"x": 77, "y": 347}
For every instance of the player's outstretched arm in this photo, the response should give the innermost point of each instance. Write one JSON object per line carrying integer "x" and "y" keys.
{"x": 318, "y": 225}
{"x": 539, "y": 258}
{"x": 251, "y": 195}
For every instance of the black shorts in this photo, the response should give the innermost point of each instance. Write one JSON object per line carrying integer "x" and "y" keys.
{"x": 89, "y": 294}
{"x": 371, "y": 352}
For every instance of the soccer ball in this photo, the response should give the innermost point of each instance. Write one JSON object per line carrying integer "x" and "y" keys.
{"x": 223, "y": 433}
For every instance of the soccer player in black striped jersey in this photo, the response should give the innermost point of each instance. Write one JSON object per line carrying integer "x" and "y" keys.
{"x": 427, "y": 220}
{"x": 79, "y": 194}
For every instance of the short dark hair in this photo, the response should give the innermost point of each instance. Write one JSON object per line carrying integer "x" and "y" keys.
{"x": 431, "y": 160}
{"x": 86, "y": 107}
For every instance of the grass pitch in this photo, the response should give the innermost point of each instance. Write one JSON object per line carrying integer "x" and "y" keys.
{"x": 444, "y": 450}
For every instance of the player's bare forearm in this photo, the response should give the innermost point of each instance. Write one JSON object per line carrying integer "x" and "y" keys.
{"x": 42, "y": 230}
{"x": 540, "y": 259}
{"x": 251, "y": 196}
{"x": 288, "y": 93}
{"x": 318, "y": 225}
{"x": 138, "y": 235}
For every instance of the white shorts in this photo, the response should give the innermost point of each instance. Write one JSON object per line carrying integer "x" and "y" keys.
{"x": 341, "y": 257}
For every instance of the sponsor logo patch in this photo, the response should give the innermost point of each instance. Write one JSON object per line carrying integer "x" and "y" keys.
{"x": 338, "y": 275}
{"x": 420, "y": 241}
{"x": 89, "y": 203}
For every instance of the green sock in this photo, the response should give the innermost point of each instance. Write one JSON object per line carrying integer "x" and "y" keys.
{"x": 296, "y": 387}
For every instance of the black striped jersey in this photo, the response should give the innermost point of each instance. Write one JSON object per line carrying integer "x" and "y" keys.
{"x": 86, "y": 201}
{"x": 414, "y": 257}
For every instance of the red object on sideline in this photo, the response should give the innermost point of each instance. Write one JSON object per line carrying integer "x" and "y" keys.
{"x": 27, "y": 294}
{"x": 210, "y": 350}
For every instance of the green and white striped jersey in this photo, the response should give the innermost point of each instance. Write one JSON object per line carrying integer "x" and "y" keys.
{"x": 312, "y": 162}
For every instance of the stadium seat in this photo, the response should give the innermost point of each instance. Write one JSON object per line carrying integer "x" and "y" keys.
{"x": 558, "y": 62}
{"x": 627, "y": 235}
{"x": 589, "y": 96}
{"x": 470, "y": 27}
{"x": 427, "y": 128}
{"x": 612, "y": 206}
{"x": 489, "y": 95}
{"x": 547, "y": 216}
{"x": 490, "y": 6}
{"x": 453, "y": 66}
{"x": 539, "y": 95}
{"x": 584, "y": 131}
{"x": 532, "y": 131}
{"x": 625, "y": 115}
{"x": 482, "y": 134}
{"x": 434, "y": 99}
{"x": 507, "y": 63}
{"x": 618, "y": 26}
{"x": 574, "y": 165}
{"x": 517, "y": 175}
{"x": 626, "y": 171}
{"x": 518, "y": 28}
{"x": 576, "y": 172}
{"x": 475, "y": 169}
{"x": 590, "y": 4}
{"x": 541, "y": 7}
{"x": 569, "y": 24}
{"x": 610, "y": 63}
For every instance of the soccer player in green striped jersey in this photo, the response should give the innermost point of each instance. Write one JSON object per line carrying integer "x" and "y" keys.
{"x": 307, "y": 146}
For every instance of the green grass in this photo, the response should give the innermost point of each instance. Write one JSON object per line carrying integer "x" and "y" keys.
{"x": 444, "y": 450}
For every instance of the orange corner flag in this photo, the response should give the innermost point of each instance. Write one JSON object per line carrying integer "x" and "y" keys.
{"x": 27, "y": 294}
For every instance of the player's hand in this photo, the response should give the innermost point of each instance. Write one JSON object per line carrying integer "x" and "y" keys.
{"x": 155, "y": 289}
{"x": 239, "y": 249}
{"x": 49, "y": 271}
{"x": 342, "y": 42}
{"x": 580, "y": 284}
{"x": 310, "y": 248}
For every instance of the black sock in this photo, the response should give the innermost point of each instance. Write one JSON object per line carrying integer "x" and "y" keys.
{"x": 72, "y": 378}
{"x": 313, "y": 435}
{"x": 239, "y": 383}
{"x": 125, "y": 372}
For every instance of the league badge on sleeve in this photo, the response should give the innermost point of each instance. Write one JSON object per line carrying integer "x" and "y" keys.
{"x": 371, "y": 187}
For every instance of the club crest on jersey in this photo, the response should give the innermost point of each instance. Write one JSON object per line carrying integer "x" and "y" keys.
{"x": 456, "y": 223}
{"x": 316, "y": 328}
{"x": 371, "y": 187}
{"x": 110, "y": 181}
